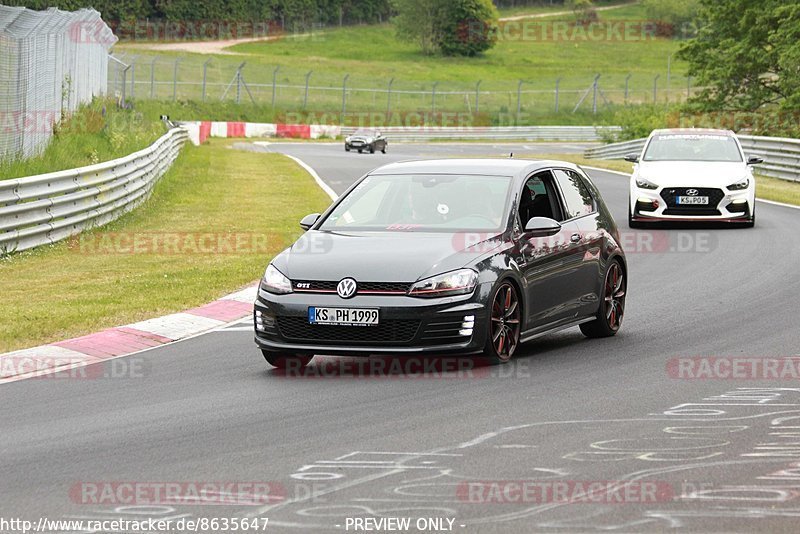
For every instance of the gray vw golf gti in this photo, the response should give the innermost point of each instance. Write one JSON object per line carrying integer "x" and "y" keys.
{"x": 469, "y": 257}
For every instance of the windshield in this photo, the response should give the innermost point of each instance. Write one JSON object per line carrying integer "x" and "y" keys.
{"x": 432, "y": 203}
{"x": 365, "y": 133}
{"x": 693, "y": 147}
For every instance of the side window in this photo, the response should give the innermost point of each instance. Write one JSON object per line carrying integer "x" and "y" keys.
{"x": 578, "y": 199}
{"x": 538, "y": 199}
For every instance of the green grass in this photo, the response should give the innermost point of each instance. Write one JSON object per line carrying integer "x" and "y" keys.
{"x": 96, "y": 132}
{"x": 372, "y": 55}
{"x": 89, "y": 284}
{"x": 766, "y": 188}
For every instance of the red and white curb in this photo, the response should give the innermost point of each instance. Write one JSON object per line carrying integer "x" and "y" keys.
{"x": 199, "y": 131}
{"x": 125, "y": 340}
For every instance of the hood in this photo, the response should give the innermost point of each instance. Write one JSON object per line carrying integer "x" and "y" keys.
{"x": 381, "y": 256}
{"x": 692, "y": 173}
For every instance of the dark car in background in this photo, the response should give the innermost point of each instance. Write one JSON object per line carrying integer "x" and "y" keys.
{"x": 366, "y": 139}
{"x": 471, "y": 256}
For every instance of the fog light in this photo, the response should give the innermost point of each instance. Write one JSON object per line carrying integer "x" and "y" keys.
{"x": 739, "y": 201}
{"x": 646, "y": 204}
{"x": 467, "y": 325}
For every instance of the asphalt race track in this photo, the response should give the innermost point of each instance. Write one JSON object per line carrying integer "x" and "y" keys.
{"x": 673, "y": 450}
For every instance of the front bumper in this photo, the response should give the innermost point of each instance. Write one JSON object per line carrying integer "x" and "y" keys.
{"x": 407, "y": 325}
{"x": 659, "y": 205}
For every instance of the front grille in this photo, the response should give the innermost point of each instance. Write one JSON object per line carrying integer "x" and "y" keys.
{"x": 443, "y": 332}
{"x": 714, "y": 198}
{"x": 325, "y": 286}
{"x": 390, "y": 331}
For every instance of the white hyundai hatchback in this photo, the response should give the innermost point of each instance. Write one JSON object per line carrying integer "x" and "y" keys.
{"x": 692, "y": 175}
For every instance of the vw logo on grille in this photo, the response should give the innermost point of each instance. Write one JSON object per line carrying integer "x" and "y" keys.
{"x": 346, "y": 288}
{"x": 692, "y": 192}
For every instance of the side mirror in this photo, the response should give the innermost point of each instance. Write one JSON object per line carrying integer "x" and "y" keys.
{"x": 308, "y": 221}
{"x": 633, "y": 158}
{"x": 542, "y": 227}
{"x": 755, "y": 160}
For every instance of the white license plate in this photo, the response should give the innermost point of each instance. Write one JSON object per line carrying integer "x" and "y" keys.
{"x": 691, "y": 200}
{"x": 343, "y": 316}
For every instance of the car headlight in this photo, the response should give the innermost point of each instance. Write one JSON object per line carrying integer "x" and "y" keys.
{"x": 741, "y": 184}
{"x": 461, "y": 282}
{"x": 645, "y": 184}
{"x": 347, "y": 139}
{"x": 369, "y": 140}
{"x": 275, "y": 282}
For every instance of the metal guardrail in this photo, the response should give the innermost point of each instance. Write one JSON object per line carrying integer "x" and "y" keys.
{"x": 503, "y": 133}
{"x": 44, "y": 209}
{"x": 781, "y": 156}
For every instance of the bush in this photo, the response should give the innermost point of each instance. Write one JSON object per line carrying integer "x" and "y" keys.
{"x": 452, "y": 27}
{"x": 673, "y": 18}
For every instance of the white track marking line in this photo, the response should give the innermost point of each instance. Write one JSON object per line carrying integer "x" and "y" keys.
{"x": 325, "y": 187}
{"x": 773, "y": 202}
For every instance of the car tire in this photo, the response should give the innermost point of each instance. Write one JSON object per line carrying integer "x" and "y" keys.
{"x": 609, "y": 316}
{"x": 633, "y": 224}
{"x": 752, "y": 222}
{"x": 371, "y": 149}
{"x": 360, "y": 151}
{"x": 286, "y": 361}
{"x": 347, "y": 149}
{"x": 385, "y": 147}
{"x": 504, "y": 324}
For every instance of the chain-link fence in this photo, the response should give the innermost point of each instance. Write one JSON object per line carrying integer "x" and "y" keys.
{"x": 50, "y": 62}
{"x": 196, "y": 78}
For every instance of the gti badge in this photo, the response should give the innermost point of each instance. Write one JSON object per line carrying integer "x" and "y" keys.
{"x": 346, "y": 288}
{"x": 692, "y": 192}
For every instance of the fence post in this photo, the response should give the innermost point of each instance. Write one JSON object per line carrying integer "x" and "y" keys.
{"x": 433, "y": 98}
{"x": 153, "y": 77}
{"x": 558, "y": 88}
{"x": 627, "y": 81}
{"x": 655, "y": 89}
{"x": 688, "y": 86}
{"x": 594, "y": 95}
{"x": 133, "y": 76}
{"x": 124, "y": 83}
{"x": 389, "y": 99}
{"x": 344, "y": 96}
{"x": 519, "y": 100}
{"x": 669, "y": 73}
{"x": 205, "y": 70}
{"x": 239, "y": 84}
{"x": 175, "y": 80}
{"x": 305, "y": 95}
{"x": 477, "y": 94}
{"x": 274, "y": 84}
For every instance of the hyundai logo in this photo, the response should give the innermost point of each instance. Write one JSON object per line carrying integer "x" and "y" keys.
{"x": 346, "y": 288}
{"x": 692, "y": 192}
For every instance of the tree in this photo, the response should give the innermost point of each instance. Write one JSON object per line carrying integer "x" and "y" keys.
{"x": 746, "y": 54}
{"x": 452, "y": 27}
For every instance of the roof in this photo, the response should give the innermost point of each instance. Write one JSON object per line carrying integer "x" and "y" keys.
{"x": 696, "y": 131}
{"x": 482, "y": 166}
